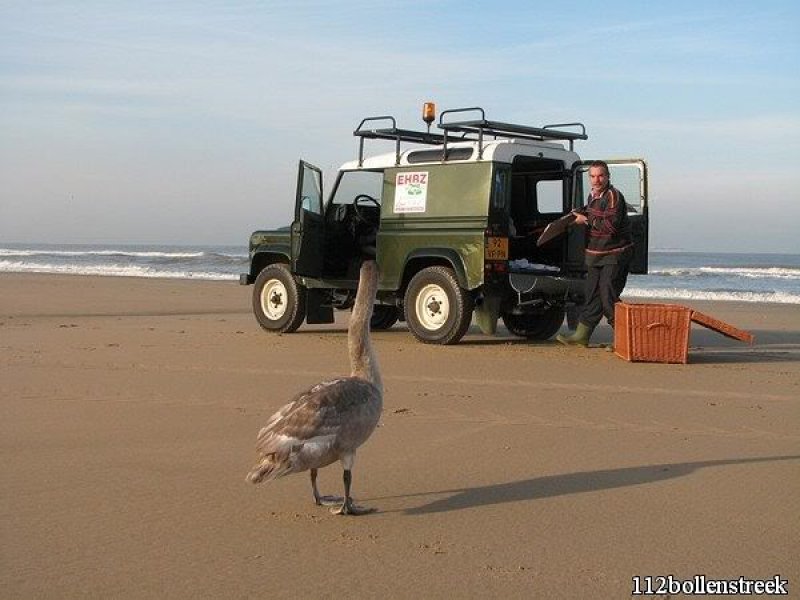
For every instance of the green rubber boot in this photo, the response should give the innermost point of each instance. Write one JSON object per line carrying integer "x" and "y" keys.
{"x": 579, "y": 338}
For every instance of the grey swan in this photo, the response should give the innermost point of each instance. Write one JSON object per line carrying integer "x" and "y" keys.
{"x": 330, "y": 420}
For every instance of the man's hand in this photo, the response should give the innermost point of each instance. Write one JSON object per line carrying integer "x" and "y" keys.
{"x": 580, "y": 219}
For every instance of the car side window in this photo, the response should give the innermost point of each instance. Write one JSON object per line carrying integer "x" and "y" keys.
{"x": 627, "y": 179}
{"x": 311, "y": 191}
{"x": 550, "y": 197}
{"x": 501, "y": 188}
{"x": 356, "y": 183}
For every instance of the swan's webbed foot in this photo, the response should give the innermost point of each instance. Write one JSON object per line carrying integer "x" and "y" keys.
{"x": 328, "y": 500}
{"x": 348, "y": 508}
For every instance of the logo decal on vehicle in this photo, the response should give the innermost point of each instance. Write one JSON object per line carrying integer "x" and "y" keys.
{"x": 411, "y": 192}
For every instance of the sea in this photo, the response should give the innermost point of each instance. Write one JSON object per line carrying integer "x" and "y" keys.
{"x": 771, "y": 278}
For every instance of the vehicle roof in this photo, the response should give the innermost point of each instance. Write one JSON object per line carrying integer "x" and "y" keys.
{"x": 503, "y": 150}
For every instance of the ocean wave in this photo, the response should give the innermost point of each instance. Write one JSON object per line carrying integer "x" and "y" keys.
{"x": 226, "y": 259}
{"x": 8, "y": 252}
{"x": 717, "y": 277}
{"x": 716, "y": 295}
{"x": 230, "y": 255}
{"x": 7, "y": 266}
{"x": 748, "y": 272}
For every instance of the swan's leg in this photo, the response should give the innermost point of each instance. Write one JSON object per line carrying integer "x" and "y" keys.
{"x": 322, "y": 500}
{"x": 347, "y": 507}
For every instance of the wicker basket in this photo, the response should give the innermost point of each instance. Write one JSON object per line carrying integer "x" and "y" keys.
{"x": 722, "y": 327}
{"x": 660, "y": 332}
{"x": 652, "y": 332}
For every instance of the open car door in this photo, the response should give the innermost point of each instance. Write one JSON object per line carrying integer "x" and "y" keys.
{"x": 308, "y": 227}
{"x": 629, "y": 176}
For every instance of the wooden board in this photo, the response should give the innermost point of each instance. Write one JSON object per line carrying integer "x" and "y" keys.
{"x": 555, "y": 229}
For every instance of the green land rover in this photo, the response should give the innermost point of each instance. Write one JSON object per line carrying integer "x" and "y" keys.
{"x": 453, "y": 219}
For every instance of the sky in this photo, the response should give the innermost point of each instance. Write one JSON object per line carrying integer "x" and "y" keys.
{"x": 183, "y": 122}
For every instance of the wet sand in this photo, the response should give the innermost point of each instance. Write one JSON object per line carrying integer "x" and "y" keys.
{"x": 130, "y": 409}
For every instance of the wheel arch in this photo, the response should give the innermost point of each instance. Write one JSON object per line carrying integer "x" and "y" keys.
{"x": 266, "y": 257}
{"x": 430, "y": 257}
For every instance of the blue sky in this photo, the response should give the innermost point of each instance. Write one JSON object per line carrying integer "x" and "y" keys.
{"x": 182, "y": 122}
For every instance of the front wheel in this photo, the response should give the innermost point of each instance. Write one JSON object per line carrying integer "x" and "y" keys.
{"x": 437, "y": 309}
{"x": 536, "y": 326}
{"x": 279, "y": 302}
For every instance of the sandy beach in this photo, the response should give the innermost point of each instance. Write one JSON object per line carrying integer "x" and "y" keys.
{"x": 130, "y": 409}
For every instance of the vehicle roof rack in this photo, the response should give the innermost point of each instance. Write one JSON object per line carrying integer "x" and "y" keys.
{"x": 508, "y": 130}
{"x": 468, "y": 129}
{"x": 394, "y": 134}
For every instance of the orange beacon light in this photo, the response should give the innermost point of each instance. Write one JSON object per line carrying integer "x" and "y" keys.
{"x": 429, "y": 113}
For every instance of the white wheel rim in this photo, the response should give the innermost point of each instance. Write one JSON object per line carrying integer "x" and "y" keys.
{"x": 432, "y": 307}
{"x": 273, "y": 299}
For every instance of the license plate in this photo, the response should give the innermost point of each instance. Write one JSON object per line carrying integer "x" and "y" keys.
{"x": 496, "y": 248}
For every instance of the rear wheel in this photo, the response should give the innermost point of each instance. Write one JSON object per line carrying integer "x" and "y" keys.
{"x": 437, "y": 309}
{"x": 383, "y": 317}
{"x": 536, "y": 326}
{"x": 279, "y": 301}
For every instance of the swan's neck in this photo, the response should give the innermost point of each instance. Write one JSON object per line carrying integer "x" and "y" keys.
{"x": 363, "y": 362}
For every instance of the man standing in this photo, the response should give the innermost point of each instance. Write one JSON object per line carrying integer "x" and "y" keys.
{"x": 609, "y": 248}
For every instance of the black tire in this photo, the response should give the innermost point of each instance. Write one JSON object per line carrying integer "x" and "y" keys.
{"x": 536, "y": 326}
{"x": 279, "y": 301}
{"x": 437, "y": 309}
{"x": 383, "y": 317}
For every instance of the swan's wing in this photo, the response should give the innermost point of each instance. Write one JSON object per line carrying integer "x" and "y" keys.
{"x": 320, "y": 414}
